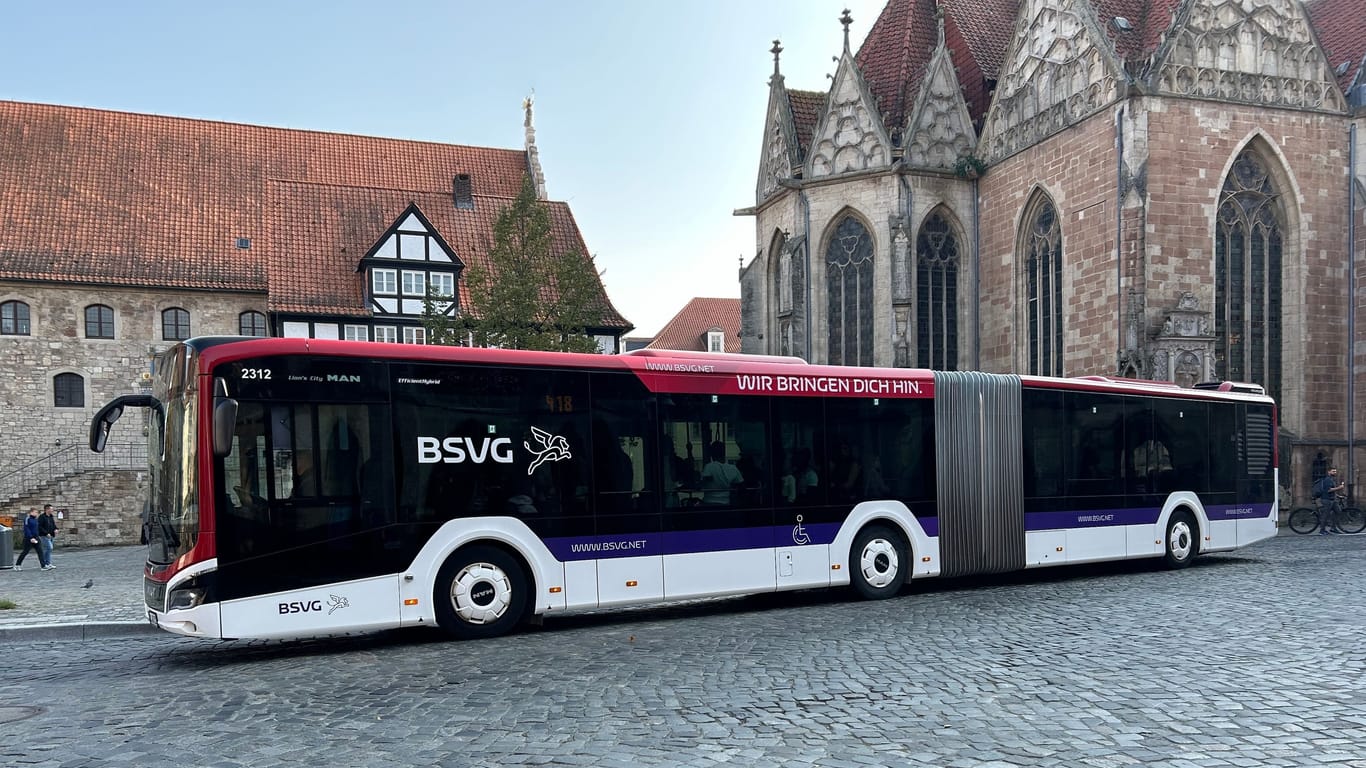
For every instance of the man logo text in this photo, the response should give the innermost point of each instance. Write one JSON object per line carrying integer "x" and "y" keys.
{"x": 457, "y": 450}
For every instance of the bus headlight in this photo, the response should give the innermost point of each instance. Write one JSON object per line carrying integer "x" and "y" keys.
{"x": 189, "y": 597}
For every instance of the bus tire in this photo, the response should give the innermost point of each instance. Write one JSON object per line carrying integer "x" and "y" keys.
{"x": 481, "y": 591}
{"x": 1182, "y": 540}
{"x": 878, "y": 562}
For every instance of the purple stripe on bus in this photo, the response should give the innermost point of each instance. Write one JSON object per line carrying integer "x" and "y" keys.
{"x": 1238, "y": 511}
{"x": 1090, "y": 518}
{"x": 719, "y": 540}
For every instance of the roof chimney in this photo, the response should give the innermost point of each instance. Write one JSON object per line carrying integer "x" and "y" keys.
{"x": 464, "y": 196}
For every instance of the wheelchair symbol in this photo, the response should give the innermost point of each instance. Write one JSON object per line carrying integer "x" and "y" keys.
{"x": 799, "y": 533}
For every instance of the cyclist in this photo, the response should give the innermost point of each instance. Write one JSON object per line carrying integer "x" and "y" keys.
{"x": 1326, "y": 492}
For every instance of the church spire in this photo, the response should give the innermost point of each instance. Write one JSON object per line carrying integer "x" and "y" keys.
{"x": 775, "y": 50}
{"x": 533, "y": 156}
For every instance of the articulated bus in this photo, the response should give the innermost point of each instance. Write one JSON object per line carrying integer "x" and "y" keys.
{"x": 306, "y": 487}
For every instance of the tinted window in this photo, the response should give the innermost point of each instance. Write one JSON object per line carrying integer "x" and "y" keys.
{"x": 305, "y": 498}
{"x": 626, "y": 439}
{"x": 1093, "y": 466}
{"x": 1182, "y": 427}
{"x": 1044, "y": 426}
{"x": 475, "y": 441}
{"x": 799, "y": 451}
{"x": 725, "y": 447}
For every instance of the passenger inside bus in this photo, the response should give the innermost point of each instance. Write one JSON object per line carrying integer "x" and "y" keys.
{"x": 719, "y": 478}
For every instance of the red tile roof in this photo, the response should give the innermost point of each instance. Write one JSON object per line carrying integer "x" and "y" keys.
{"x": 895, "y": 56}
{"x": 807, "y": 107}
{"x": 101, "y": 197}
{"x": 1341, "y": 29}
{"x": 688, "y": 329}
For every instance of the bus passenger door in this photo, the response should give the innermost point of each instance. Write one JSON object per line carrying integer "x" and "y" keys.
{"x": 718, "y": 518}
{"x": 627, "y": 541}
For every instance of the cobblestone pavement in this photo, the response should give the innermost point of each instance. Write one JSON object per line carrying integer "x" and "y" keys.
{"x": 1252, "y": 658}
{"x": 60, "y": 595}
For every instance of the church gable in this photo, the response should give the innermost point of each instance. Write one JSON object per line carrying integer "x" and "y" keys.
{"x": 780, "y": 144}
{"x": 850, "y": 136}
{"x": 1252, "y": 52}
{"x": 940, "y": 128}
{"x": 1059, "y": 69}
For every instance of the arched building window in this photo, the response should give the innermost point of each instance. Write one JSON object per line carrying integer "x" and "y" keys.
{"x": 14, "y": 318}
{"x": 936, "y": 293}
{"x": 1248, "y": 243}
{"x": 175, "y": 324}
{"x": 68, "y": 390}
{"x": 1042, "y": 258}
{"x": 99, "y": 322}
{"x": 251, "y": 324}
{"x": 849, "y": 273}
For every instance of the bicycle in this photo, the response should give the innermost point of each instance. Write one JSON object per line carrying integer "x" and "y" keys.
{"x": 1344, "y": 518}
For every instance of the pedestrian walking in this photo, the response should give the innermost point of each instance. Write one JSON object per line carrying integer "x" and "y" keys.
{"x": 1326, "y": 492}
{"x": 47, "y": 532}
{"x": 31, "y": 540}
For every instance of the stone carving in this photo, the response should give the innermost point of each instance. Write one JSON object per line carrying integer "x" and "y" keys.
{"x": 776, "y": 163}
{"x": 850, "y": 136}
{"x": 1183, "y": 350}
{"x": 1055, "y": 75}
{"x": 939, "y": 130}
{"x": 1252, "y": 51}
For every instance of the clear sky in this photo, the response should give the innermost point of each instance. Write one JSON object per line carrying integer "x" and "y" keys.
{"x": 649, "y": 115}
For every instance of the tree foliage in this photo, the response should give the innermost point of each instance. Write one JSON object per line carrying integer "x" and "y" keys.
{"x": 525, "y": 296}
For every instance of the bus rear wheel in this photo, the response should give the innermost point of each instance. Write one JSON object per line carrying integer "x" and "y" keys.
{"x": 1183, "y": 539}
{"x": 878, "y": 562}
{"x": 481, "y": 591}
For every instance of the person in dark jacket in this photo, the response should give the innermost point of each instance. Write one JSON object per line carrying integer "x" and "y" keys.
{"x": 47, "y": 531}
{"x": 31, "y": 540}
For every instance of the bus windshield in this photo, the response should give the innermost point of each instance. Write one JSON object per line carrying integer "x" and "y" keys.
{"x": 171, "y": 517}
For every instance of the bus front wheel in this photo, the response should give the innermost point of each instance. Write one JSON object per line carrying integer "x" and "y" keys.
{"x": 481, "y": 591}
{"x": 1183, "y": 539}
{"x": 878, "y": 562}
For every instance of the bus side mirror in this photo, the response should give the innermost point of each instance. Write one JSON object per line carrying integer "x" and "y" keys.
{"x": 224, "y": 423}
{"x": 110, "y": 413}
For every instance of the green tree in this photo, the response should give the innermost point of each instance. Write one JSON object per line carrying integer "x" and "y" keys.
{"x": 524, "y": 296}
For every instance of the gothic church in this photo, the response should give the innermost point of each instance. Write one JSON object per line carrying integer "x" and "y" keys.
{"x": 1160, "y": 189}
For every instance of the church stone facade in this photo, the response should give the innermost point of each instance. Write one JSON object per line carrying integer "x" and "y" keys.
{"x": 1170, "y": 190}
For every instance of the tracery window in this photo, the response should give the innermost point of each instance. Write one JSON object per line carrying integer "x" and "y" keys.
{"x": 1249, "y": 239}
{"x": 849, "y": 273}
{"x": 936, "y": 276}
{"x": 1043, "y": 288}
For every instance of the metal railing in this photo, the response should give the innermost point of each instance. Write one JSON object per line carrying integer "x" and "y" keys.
{"x": 69, "y": 461}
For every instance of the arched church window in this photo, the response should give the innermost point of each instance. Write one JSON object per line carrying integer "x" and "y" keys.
{"x": 1247, "y": 267}
{"x": 785, "y": 281}
{"x": 936, "y": 281}
{"x": 849, "y": 271}
{"x": 1043, "y": 288}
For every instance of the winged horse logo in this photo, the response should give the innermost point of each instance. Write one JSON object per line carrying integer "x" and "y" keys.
{"x": 552, "y": 448}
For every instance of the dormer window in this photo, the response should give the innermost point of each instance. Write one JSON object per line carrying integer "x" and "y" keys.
{"x": 384, "y": 281}
{"x": 408, "y": 261}
{"x": 716, "y": 341}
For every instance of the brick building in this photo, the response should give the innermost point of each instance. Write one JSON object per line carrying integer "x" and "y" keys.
{"x": 121, "y": 233}
{"x": 1162, "y": 189}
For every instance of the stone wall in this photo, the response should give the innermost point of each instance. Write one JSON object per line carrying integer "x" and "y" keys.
{"x": 98, "y": 508}
{"x": 109, "y": 367}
